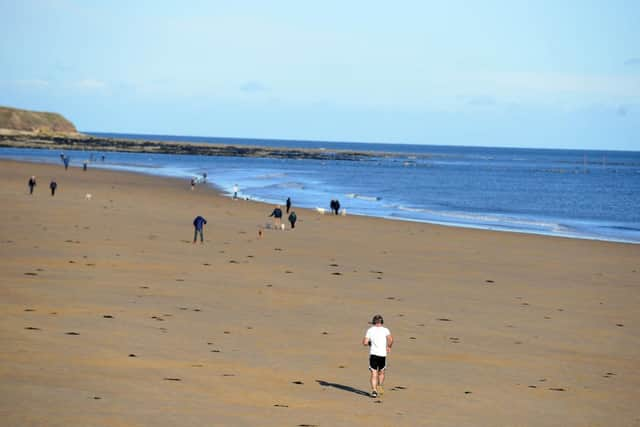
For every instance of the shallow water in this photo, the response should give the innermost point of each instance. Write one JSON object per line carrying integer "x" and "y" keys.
{"x": 581, "y": 194}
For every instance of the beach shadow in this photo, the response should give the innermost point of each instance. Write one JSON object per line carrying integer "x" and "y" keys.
{"x": 343, "y": 388}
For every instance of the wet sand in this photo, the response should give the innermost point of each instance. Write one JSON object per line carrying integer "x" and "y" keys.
{"x": 111, "y": 316}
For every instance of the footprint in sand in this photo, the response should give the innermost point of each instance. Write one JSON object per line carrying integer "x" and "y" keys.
{"x": 30, "y": 274}
{"x": 337, "y": 273}
{"x": 132, "y": 355}
{"x": 29, "y": 309}
{"x": 172, "y": 379}
{"x": 297, "y": 382}
{"x": 280, "y": 405}
{"x": 557, "y": 389}
{"x": 620, "y": 325}
{"x": 71, "y": 333}
{"x": 31, "y": 328}
{"x": 108, "y": 316}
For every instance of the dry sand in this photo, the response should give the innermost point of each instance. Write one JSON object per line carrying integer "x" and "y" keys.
{"x": 110, "y": 316}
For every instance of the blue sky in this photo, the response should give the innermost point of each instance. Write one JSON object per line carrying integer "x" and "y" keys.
{"x": 482, "y": 73}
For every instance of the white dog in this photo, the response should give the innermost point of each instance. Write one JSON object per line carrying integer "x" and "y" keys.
{"x": 87, "y": 196}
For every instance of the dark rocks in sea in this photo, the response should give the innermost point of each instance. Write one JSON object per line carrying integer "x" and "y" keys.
{"x": 91, "y": 143}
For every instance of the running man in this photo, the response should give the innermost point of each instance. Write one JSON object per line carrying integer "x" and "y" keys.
{"x": 379, "y": 340}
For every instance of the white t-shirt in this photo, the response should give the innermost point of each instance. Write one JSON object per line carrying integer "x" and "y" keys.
{"x": 378, "y": 337}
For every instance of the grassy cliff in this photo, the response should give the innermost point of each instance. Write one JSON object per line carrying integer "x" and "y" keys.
{"x": 34, "y": 121}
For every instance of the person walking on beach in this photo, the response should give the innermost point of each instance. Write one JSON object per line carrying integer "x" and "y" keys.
{"x": 193, "y": 183}
{"x": 337, "y": 206}
{"x": 288, "y": 204}
{"x": 292, "y": 219}
{"x": 277, "y": 217}
{"x": 53, "y": 185}
{"x": 380, "y": 341}
{"x": 235, "y": 191}
{"x": 32, "y": 184}
{"x": 198, "y": 225}
{"x": 65, "y": 160}
{"x": 84, "y": 166}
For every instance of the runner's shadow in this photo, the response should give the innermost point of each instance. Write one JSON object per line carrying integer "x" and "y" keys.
{"x": 343, "y": 387}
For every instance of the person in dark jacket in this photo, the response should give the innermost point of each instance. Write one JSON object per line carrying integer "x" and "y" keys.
{"x": 198, "y": 225}
{"x": 288, "y": 204}
{"x": 337, "y": 207}
{"x": 292, "y": 219}
{"x": 277, "y": 217}
{"x": 32, "y": 184}
{"x": 53, "y": 187}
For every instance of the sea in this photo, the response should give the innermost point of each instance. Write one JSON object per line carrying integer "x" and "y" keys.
{"x": 583, "y": 194}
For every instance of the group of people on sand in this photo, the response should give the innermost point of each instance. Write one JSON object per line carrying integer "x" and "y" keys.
{"x": 335, "y": 206}
{"x": 53, "y": 185}
{"x": 277, "y": 216}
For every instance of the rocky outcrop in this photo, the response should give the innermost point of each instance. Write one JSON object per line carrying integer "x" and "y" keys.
{"x": 34, "y": 121}
{"x": 90, "y": 143}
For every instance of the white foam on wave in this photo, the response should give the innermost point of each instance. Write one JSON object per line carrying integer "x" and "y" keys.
{"x": 362, "y": 197}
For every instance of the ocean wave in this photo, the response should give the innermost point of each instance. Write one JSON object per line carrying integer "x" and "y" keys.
{"x": 362, "y": 197}
{"x": 498, "y": 220}
{"x": 295, "y": 185}
{"x": 271, "y": 175}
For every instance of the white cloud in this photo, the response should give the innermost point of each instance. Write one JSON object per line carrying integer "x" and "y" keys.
{"x": 253, "y": 86}
{"x": 33, "y": 83}
{"x": 91, "y": 84}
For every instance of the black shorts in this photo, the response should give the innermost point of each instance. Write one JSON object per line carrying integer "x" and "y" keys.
{"x": 377, "y": 363}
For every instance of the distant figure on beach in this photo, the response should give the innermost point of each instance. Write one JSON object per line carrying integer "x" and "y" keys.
{"x": 198, "y": 225}
{"x": 292, "y": 219}
{"x": 53, "y": 185}
{"x": 277, "y": 217}
{"x": 65, "y": 160}
{"x": 193, "y": 183}
{"x": 335, "y": 206}
{"x": 235, "y": 191}
{"x": 84, "y": 166}
{"x": 379, "y": 340}
{"x": 288, "y": 204}
{"x": 102, "y": 158}
{"x": 32, "y": 184}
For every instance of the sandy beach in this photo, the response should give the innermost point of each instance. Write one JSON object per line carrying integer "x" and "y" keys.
{"x": 110, "y": 316}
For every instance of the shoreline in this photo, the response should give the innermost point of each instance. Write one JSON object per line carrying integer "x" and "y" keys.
{"x": 111, "y": 316}
{"x": 567, "y": 235}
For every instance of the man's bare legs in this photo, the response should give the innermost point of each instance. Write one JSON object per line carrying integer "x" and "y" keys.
{"x": 377, "y": 380}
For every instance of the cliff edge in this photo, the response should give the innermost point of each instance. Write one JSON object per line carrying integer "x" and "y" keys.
{"x": 34, "y": 121}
